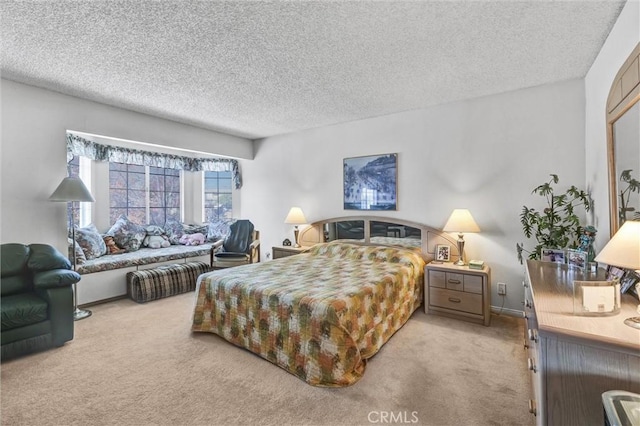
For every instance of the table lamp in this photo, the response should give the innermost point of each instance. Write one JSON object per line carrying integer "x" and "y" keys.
{"x": 623, "y": 251}
{"x": 73, "y": 189}
{"x": 295, "y": 217}
{"x": 461, "y": 221}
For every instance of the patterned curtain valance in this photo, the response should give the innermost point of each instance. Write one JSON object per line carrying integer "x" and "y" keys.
{"x": 77, "y": 145}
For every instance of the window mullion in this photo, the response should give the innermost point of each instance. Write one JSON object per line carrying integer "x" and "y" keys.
{"x": 147, "y": 200}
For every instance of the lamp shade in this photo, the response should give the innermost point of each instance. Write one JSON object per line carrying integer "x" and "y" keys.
{"x": 295, "y": 217}
{"x": 71, "y": 189}
{"x": 461, "y": 221}
{"x": 623, "y": 250}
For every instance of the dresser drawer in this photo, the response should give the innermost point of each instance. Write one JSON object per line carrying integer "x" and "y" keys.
{"x": 456, "y": 300}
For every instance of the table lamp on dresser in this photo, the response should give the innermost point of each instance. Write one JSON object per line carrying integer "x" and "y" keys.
{"x": 623, "y": 251}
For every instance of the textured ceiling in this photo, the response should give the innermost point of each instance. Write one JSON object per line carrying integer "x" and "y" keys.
{"x": 256, "y": 69}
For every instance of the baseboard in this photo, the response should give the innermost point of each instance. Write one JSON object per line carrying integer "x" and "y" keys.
{"x": 100, "y": 302}
{"x": 506, "y": 311}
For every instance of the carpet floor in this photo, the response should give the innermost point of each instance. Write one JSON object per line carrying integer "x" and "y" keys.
{"x": 132, "y": 364}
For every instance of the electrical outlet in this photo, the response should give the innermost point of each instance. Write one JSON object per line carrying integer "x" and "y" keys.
{"x": 502, "y": 289}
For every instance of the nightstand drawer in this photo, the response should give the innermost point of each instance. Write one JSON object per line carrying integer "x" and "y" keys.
{"x": 438, "y": 279}
{"x": 455, "y": 281}
{"x": 473, "y": 284}
{"x": 456, "y": 300}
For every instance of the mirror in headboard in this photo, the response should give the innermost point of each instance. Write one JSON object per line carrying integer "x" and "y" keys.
{"x": 377, "y": 231}
{"x": 623, "y": 142}
{"x": 344, "y": 230}
{"x": 394, "y": 234}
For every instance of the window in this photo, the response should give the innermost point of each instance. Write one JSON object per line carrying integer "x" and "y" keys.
{"x": 217, "y": 196}
{"x": 79, "y": 213}
{"x": 144, "y": 194}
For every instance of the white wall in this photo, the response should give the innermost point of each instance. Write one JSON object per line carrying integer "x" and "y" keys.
{"x": 33, "y": 153}
{"x": 485, "y": 154}
{"x": 621, "y": 41}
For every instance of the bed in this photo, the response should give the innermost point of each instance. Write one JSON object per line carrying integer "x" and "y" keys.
{"x": 319, "y": 315}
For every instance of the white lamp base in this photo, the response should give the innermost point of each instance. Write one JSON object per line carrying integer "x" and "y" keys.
{"x": 79, "y": 314}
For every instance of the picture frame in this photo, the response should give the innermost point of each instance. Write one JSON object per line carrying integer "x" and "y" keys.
{"x": 615, "y": 273}
{"x": 629, "y": 281}
{"x": 577, "y": 259}
{"x": 596, "y": 298}
{"x": 443, "y": 252}
{"x": 370, "y": 182}
{"x": 552, "y": 255}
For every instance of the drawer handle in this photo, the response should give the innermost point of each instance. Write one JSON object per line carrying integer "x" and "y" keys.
{"x": 455, "y": 281}
{"x": 533, "y": 335}
{"x": 454, "y": 300}
{"x": 532, "y": 407}
{"x": 527, "y": 304}
{"x": 526, "y": 344}
{"x": 525, "y": 284}
{"x": 531, "y": 365}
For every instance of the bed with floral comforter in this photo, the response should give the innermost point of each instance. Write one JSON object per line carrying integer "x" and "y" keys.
{"x": 319, "y": 315}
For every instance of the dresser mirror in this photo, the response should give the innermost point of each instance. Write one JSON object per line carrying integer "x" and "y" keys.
{"x": 623, "y": 142}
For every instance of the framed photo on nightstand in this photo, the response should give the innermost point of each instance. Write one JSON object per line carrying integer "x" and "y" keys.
{"x": 443, "y": 252}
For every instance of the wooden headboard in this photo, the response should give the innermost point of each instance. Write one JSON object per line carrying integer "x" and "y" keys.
{"x": 368, "y": 229}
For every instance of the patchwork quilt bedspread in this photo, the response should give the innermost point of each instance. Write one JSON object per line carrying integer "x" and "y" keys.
{"x": 319, "y": 315}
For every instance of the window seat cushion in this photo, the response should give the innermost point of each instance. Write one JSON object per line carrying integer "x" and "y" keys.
{"x": 144, "y": 256}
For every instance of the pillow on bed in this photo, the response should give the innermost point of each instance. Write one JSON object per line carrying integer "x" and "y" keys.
{"x": 126, "y": 234}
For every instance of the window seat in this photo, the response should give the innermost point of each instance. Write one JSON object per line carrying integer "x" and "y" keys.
{"x": 144, "y": 256}
{"x": 105, "y": 278}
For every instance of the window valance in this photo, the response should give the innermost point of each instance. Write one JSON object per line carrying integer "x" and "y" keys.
{"x": 77, "y": 145}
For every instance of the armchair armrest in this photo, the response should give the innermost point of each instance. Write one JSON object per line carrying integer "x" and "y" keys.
{"x": 55, "y": 278}
{"x": 215, "y": 248}
{"x": 254, "y": 251}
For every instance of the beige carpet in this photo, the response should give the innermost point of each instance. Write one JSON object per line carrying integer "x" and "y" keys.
{"x": 133, "y": 364}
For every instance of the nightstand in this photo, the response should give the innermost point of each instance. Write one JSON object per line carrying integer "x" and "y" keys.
{"x": 458, "y": 291}
{"x": 284, "y": 251}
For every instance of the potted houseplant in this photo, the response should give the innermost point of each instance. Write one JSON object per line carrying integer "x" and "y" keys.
{"x": 557, "y": 225}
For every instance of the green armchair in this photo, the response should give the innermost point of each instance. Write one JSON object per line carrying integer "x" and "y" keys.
{"x": 36, "y": 283}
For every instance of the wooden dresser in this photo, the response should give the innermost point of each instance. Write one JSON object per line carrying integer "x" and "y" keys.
{"x": 574, "y": 359}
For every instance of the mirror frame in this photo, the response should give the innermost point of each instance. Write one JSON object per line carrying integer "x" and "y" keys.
{"x": 624, "y": 94}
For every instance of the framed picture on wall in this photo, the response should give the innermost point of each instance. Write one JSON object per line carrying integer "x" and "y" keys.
{"x": 370, "y": 183}
{"x": 443, "y": 252}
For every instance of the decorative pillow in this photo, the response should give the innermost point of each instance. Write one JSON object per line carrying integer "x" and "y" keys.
{"x": 154, "y": 230}
{"x": 80, "y": 258}
{"x": 218, "y": 230}
{"x": 195, "y": 229}
{"x": 126, "y": 234}
{"x": 174, "y": 230}
{"x": 91, "y": 242}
